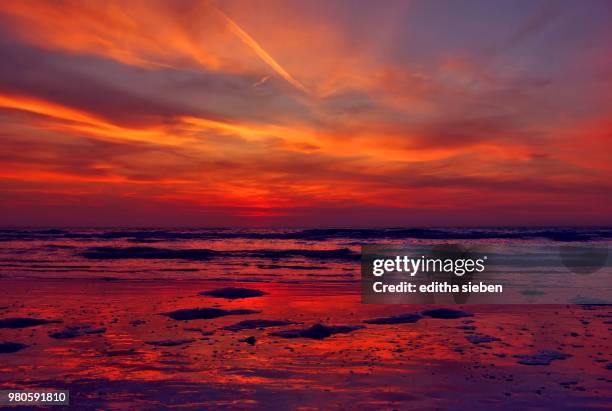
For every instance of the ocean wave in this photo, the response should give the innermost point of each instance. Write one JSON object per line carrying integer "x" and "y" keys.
{"x": 119, "y": 253}
{"x": 157, "y": 235}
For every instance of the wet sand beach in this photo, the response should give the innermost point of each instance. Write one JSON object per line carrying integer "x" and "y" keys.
{"x": 298, "y": 346}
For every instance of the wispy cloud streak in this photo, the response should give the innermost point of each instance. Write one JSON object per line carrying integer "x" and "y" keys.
{"x": 261, "y": 53}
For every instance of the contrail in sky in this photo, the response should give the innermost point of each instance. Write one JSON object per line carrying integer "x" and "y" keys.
{"x": 261, "y": 53}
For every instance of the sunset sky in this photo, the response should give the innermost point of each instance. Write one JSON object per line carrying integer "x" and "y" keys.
{"x": 305, "y": 113}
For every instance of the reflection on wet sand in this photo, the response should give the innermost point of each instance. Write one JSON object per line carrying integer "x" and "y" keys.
{"x": 136, "y": 357}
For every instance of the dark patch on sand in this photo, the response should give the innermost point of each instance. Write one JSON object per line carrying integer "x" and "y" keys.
{"x": 232, "y": 293}
{"x": 249, "y": 340}
{"x": 406, "y": 318}
{"x": 11, "y": 347}
{"x": 186, "y": 314}
{"x": 74, "y": 331}
{"x": 544, "y": 357}
{"x": 253, "y": 324}
{"x": 317, "y": 331}
{"x": 481, "y": 338}
{"x": 23, "y": 322}
{"x": 170, "y": 343}
{"x": 193, "y": 329}
{"x": 120, "y": 353}
{"x": 446, "y": 313}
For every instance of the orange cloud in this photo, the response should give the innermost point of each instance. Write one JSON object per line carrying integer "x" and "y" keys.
{"x": 152, "y": 34}
{"x": 194, "y": 104}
